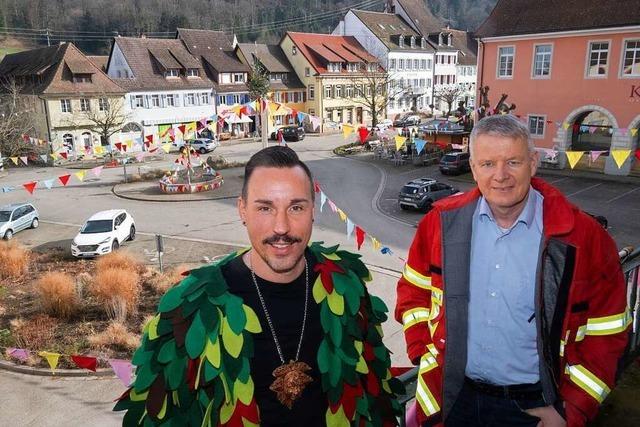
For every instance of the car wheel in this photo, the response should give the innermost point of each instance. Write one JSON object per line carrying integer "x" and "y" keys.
{"x": 132, "y": 232}
{"x": 202, "y": 150}
{"x": 404, "y": 207}
{"x": 8, "y": 235}
{"x": 35, "y": 223}
{"x": 115, "y": 245}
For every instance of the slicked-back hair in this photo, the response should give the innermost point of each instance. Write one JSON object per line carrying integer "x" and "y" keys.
{"x": 278, "y": 156}
{"x": 504, "y": 125}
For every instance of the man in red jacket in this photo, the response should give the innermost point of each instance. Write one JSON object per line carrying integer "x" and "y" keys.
{"x": 512, "y": 299}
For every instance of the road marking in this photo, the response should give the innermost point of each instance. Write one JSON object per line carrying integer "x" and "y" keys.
{"x": 622, "y": 195}
{"x": 558, "y": 180}
{"x": 584, "y": 189}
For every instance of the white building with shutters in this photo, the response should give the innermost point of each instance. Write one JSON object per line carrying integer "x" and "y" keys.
{"x": 166, "y": 86}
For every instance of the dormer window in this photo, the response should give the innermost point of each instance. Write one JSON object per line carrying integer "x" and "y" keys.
{"x": 401, "y": 41}
{"x": 352, "y": 67}
{"x": 82, "y": 78}
{"x": 294, "y": 50}
{"x": 333, "y": 67}
{"x": 172, "y": 72}
{"x": 423, "y": 43}
{"x": 193, "y": 72}
{"x": 238, "y": 77}
{"x": 413, "y": 42}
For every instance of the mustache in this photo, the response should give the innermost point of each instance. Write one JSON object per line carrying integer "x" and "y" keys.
{"x": 281, "y": 238}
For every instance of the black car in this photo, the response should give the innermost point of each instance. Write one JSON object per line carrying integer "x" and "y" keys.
{"x": 421, "y": 193}
{"x": 289, "y": 133}
{"x": 455, "y": 162}
{"x": 407, "y": 121}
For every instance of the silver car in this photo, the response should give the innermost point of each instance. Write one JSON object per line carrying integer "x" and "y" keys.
{"x": 17, "y": 217}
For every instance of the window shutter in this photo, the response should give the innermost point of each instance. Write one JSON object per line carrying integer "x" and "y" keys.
{"x": 132, "y": 100}
{"x": 304, "y": 96}
{"x": 163, "y": 100}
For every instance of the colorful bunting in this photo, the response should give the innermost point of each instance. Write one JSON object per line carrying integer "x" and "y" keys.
{"x": 14, "y": 160}
{"x": 48, "y": 183}
{"x": 30, "y": 186}
{"x": 574, "y": 157}
{"x": 363, "y": 133}
{"x": 634, "y": 132}
{"x": 400, "y": 140}
{"x": 18, "y": 353}
{"x": 97, "y": 171}
{"x": 85, "y": 362}
{"x": 123, "y": 370}
{"x": 347, "y": 130}
{"x": 420, "y": 143}
{"x": 166, "y": 148}
{"x": 64, "y": 179}
{"x": 64, "y": 155}
{"x": 350, "y": 227}
{"x": 638, "y": 154}
{"x": 593, "y": 155}
{"x": 52, "y": 359}
{"x": 24, "y": 160}
{"x": 80, "y": 175}
{"x": 54, "y": 156}
{"x": 323, "y": 198}
{"x": 359, "y": 236}
{"x": 44, "y": 158}
{"x": 620, "y": 156}
{"x": 343, "y": 216}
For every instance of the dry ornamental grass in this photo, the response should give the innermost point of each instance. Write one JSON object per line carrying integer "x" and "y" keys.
{"x": 37, "y": 333}
{"x": 119, "y": 260}
{"x": 115, "y": 335}
{"x": 162, "y": 282}
{"x": 58, "y": 294}
{"x": 14, "y": 260}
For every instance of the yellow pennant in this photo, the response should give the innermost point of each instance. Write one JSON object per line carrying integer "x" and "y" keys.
{"x": 166, "y": 147}
{"x": 574, "y": 157}
{"x": 80, "y": 175}
{"x": 54, "y": 156}
{"x": 620, "y": 156}
{"x": 347, "y": 130}
{"x": 52, "y": 359}
{"x": 129, "y": 144}
{"x": 634, "y": 131}
{"x": 375, "y": 243}
{"x": 565, "y": 125}
{"x": 14, "y": 160}
{"x": 98, "y": 149}
{"x": 343, "y": 216}
{"x": 399, "y": 141}
{"x": 213, "y": 127}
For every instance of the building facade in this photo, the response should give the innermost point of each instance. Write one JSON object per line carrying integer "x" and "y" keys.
{"x": 67, "y": 94}
{"x": 166, "y": 88}
{"x": 574, "y": 79}
{"x": 406, "y": 55}
{"x": 339, "y": 75}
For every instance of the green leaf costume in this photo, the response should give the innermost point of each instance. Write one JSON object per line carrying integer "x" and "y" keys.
{"x": 193, "y": 365}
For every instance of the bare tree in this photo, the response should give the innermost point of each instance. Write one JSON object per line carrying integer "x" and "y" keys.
{"x": 16, "y": 119}
{"x": 373, "y": 89}
{"x": 448, "y": 94}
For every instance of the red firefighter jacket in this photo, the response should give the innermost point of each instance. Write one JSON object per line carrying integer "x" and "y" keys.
{"x": 581, "y": 309}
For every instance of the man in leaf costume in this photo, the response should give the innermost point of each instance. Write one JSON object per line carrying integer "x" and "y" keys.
{"x": 282, "y": 334}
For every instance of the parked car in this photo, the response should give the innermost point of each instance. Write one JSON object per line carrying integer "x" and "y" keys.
{"x": 292, "y": 133}
{"x": 17, "y": 217}
{"x": 104, "y": 232}
{"x": 407, "y": 121}
{"x": 202, "y": 145}
{"x": 421, "y": 193}
{"x": 455, "y": 162}
{"x": 273, "y": 136}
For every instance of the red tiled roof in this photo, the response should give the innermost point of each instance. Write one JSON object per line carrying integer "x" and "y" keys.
{"x": 319, "y": 49}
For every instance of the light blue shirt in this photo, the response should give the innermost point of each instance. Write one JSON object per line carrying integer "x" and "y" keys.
{"x": 501, "y": 345}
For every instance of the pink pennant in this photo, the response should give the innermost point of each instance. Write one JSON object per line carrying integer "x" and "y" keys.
{"x": 140, "y": 156}
{"x": 18, "y": 353}
{"x": 333, "y": 207}
{"x": 97, "y": 171}
{"x": 595, "y": 154}
{"x": 123, "y": 370}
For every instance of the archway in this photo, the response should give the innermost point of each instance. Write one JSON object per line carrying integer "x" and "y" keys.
{"x": 589, "y": 128}
{"x": 634, "y": 144}
{"x": 129, "y": 132}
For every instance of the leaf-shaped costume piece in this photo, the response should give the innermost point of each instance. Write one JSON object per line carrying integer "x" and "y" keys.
{"x": 193, "y": 367}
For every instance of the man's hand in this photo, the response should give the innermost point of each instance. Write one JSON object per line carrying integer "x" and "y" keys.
{"x": 548, "y": 415}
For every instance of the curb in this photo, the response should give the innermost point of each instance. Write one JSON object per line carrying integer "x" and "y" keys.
{"x": 142, "y": 199}
{"x": 28, "y": 370}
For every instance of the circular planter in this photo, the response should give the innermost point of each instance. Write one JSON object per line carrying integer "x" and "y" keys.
{"x": 194, "y": 187}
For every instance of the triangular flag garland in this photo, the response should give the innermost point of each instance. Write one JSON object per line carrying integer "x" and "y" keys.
{"x": 123, "y": 370}
{"x": 52, "y": 359}
{"x": 400, "y": 140}
{"x": 574, "y": 157}
{"x": 64, "y": 179}
{"x": 85, "y": 362}
{"x": 30, "y": 186}
{"x": 347, "y": 130}
{"x": 620, "y": 156}
{"x": 80, "y": 175}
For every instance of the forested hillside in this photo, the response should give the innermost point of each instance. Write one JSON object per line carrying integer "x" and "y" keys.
{"x": 91, "y": 23}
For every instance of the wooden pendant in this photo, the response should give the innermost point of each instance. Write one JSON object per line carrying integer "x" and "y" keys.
{"x": 290, "y": 381}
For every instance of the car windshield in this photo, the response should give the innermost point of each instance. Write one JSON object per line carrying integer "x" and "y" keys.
{"x": 409, "y": 189}
{"x": 450, "y": 158}
{"x": 4, "y": 216}
{"x": 99, "y": 226}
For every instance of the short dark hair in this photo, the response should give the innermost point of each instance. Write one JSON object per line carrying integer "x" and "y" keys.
{"x": 277, "y": 156}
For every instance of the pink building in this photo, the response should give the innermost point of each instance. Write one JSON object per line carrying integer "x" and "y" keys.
{"x": 572, "y": 69}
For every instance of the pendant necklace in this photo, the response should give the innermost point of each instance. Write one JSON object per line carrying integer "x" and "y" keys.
{"x": 290, "y": 378}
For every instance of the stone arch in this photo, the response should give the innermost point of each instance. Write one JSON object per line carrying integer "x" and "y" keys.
{"x": 634, "y": 144}
{"x": 562, "y": 141}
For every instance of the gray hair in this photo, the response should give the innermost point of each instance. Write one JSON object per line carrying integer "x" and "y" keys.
{"x": 504, "y": 125}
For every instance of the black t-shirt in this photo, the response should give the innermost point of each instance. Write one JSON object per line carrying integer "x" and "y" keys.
{"x": 285, "y": 304}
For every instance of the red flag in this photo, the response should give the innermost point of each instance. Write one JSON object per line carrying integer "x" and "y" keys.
{"x": 63, "y": 155}
{"x": 182, "y": 128}
{"x": 85, "y": 362}
{"x": 360, "y": 236}
{"x": 149, "y": 138}
{"x": 153, "y": 150}
{"x": 30, "y": 186}
{"x": 316, "y": 186}
{"x": 363, "y": 132}
{"x": 119, "y": 146}
{"x": 124, "y": 147}
{"x": 638, "y": 154}
{"x": 64, "y": 179}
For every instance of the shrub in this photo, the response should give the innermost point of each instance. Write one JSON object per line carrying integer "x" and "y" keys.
{"x": 37, "y": 333}
{"x": 117, "y": 290}
{"x": 115, "y": 335}
{"x": 118, "y": 260}
{"x": 161, "y": 282}
{"x": 57, "y": 293}
{"x": 14, "y": 260}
